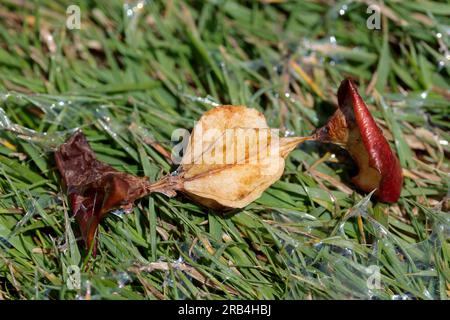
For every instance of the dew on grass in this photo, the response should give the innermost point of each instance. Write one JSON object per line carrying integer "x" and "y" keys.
{"x": 177, "y": 263}
{"x": 208, "y": 100}
{"x": 119, "y": 213}
{"x": 333, "y": 40}
{"x": 289, "y": 133}
{"x": 132, "y": 9}
{"x": 424, "y": 95}
{"x": 343, "y": 10}
{"x": 123, "y": 278}
{"x": 401, "y": 297}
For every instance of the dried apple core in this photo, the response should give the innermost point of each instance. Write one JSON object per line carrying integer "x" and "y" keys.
{"x": 342, "y": 130}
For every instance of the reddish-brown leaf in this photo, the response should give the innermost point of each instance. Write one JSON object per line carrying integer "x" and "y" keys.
{"x": 94, "y": 188}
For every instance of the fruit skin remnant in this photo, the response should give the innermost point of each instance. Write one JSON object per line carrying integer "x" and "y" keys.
{"x": 353, "y": 128}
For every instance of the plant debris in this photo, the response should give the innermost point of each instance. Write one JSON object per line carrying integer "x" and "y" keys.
{"x": 93, "y": 187}
{"x": 231, "y": 159}
{"x": 353, "y": 128}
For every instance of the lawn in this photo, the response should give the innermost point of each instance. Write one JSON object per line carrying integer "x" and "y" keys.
{"x": 131, "y": 73}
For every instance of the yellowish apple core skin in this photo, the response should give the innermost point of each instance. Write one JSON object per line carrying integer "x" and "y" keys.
{"x": 341, "y": 130}
{"x": 367, "y": 178}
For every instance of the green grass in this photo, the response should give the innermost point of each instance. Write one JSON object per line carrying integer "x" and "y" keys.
{"x": 160, "y": 69}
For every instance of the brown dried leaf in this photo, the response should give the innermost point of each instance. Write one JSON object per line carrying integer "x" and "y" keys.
{"x": 93, "y": 187}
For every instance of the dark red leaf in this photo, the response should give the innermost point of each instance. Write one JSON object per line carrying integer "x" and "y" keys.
{"x": 94, "y": 188}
